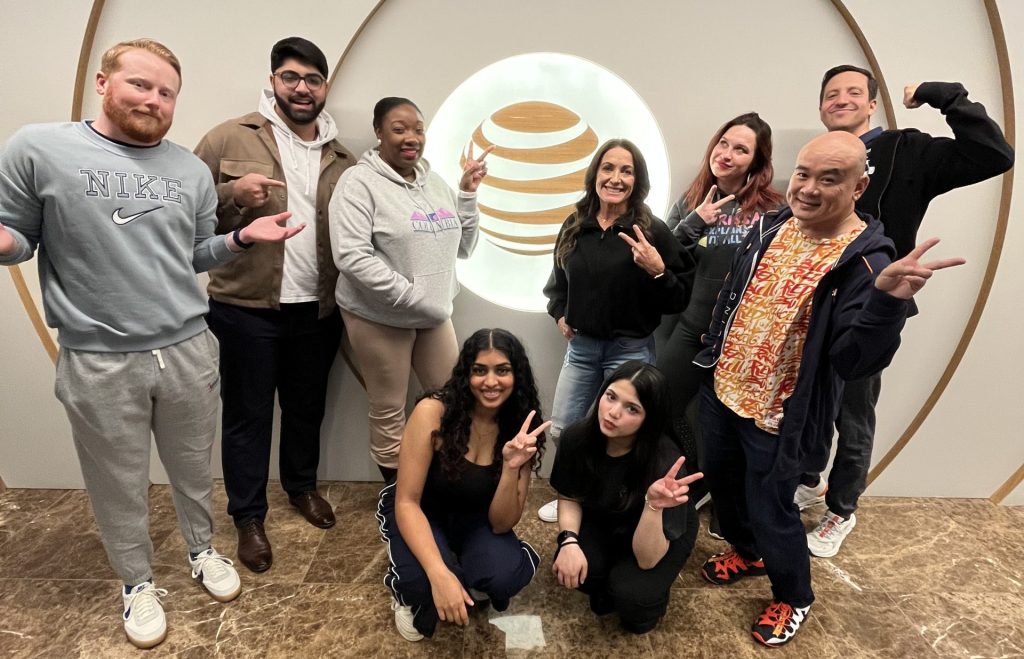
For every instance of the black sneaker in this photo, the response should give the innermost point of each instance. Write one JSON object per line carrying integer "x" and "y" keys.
{"x": 729, "y": 567}
{"x": 778, "y": 624}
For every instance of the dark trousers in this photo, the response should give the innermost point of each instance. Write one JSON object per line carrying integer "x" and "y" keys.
{"x": 499, "y": 564}
{"x": 640, "y": 597}
{"x": 856, "y": 423}
{"x": 263, "y": 351}
{"x": 678, "y": 346}
{"x": 756, "y": 512}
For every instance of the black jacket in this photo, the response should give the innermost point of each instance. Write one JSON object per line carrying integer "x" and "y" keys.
{"x": 854, "y": 332}
{"x": 604, "y": 294}
{"x": 910, "y": 168}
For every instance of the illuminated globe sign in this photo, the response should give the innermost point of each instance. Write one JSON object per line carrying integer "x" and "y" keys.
{"x": 545, "y": 114}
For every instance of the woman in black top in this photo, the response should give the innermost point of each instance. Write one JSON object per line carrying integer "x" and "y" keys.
{"x": 463, "y": 474}
{"x": 730, "y": 193}
{"x": 626, "y": 523}
{"x": 617, "y": 269}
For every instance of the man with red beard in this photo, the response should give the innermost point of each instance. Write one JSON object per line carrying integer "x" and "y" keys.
{"x": 274, "y": 312}
{"x": 123, "y": 220}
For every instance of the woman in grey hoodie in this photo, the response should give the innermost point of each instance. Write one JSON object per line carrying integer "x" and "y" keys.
{"x": 396, "y": 229}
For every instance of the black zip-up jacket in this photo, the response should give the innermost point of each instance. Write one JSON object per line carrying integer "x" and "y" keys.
{"x": 910, "y": 168}
{"x": 604, "y": 294}
{"x": 854, "y": 332}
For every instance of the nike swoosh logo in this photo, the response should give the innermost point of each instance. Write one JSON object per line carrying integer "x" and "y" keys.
{"x": 118, "y": 219}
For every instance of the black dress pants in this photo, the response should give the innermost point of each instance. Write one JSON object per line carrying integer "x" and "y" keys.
{"x": 262, "y": 352}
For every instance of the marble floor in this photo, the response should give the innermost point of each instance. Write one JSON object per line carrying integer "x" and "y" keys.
{"x": 917, "y": 578}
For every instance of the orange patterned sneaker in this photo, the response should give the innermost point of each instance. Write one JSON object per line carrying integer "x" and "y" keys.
{"x": 729, "y": 567}
{"x": 778, "y": 624}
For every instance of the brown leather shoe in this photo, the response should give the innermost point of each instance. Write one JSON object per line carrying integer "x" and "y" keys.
{"x": 253, "y": 546}
{"x": 314, "y": 508}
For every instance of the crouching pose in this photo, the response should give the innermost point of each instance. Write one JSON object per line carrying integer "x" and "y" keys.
{"x": 626, "y": 523}
{"x": 463, "y": 476}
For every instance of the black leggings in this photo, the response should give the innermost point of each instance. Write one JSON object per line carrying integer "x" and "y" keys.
{"x": 675, "y": 359}
{"x": 640, "y": 597}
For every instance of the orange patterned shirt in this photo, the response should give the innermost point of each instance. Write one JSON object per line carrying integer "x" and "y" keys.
{"x": 761, "y": 355}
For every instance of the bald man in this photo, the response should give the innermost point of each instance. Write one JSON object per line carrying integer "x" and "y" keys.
{"x": 801, "y": 312}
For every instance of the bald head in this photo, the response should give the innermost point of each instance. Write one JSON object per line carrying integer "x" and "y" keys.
{"x": 828, "y": 180}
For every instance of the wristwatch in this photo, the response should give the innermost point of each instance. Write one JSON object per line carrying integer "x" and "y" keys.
{"x": 565, "y": 535}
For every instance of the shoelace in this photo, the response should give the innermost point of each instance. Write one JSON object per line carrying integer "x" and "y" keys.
{"x": 778, "y": 615}
{"x": 144, "y": 604}
{"x": 828, "y": 528}
{"x": 730, "y": 560}
{"x": 211, "y": 565}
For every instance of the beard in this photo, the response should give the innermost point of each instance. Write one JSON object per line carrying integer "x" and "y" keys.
{"x": 143, "y": 128}
{"x": 301, "y": 115}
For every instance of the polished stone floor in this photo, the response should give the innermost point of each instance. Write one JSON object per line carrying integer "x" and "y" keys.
{"x": 917, "y": 578}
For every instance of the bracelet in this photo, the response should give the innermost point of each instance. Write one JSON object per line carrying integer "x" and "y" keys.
{"x": 237, "y": 237}
{"x": 570, "y": 541}
{"x": 566, "y": 535}
{"x": 647, "y": 501}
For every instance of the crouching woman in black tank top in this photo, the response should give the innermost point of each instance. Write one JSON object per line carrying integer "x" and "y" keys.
{"x": 625, "y": 519}
{"x": 463, "y": 475}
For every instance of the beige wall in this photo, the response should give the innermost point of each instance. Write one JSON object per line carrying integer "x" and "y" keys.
{"x": 699, "y": 66}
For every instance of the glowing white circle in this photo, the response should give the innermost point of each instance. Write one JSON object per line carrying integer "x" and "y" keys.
{"x": 604, "y": 102}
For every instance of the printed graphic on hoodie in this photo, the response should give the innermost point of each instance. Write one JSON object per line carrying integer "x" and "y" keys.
{"x": 440, "y": 220}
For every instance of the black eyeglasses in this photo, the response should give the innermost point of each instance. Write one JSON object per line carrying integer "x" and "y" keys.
{"x": 314, "y": 81}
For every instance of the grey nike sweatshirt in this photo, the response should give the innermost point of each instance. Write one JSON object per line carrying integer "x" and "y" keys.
{"x": 121, "y": 232}
{"x": 395, "y": 243}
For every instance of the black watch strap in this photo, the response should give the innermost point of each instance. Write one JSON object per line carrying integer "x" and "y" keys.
{"x": 565, "y": 535}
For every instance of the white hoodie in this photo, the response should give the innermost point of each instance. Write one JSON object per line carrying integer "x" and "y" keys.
{"x": 301, "y": 164}
{"x": 395, "y": 243}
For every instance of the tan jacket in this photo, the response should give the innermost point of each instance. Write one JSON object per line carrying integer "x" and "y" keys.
{"x": 245, "y": 145}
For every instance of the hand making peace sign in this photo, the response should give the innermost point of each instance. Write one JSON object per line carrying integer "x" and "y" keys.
{"x": 708, "y": 209}
{"x": 474, "y": 170}
{"x": 903, "y": 278}
{"x": 520, "y": 449}
{"x": 669, "y": 491}
{"x": 645, "y": 254}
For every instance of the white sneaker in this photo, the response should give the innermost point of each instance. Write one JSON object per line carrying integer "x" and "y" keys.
{"x": 806, "y": 497}
{"x": 403, "y": 621}
{"x": 144, "y": 620}
{"x": 826, "y": 538}
{"x": 217, "y": 575}
{"x": 549, "y": 511}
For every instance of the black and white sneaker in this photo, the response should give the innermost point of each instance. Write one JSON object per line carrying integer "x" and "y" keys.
{"x": 778, "y": 624}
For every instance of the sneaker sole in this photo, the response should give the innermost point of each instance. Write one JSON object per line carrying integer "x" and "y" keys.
{"x": 223, "y": 599}
{"x": 757, "y": 637}
{"x": 812, "y": 502}
{"x": 146, "y": 644}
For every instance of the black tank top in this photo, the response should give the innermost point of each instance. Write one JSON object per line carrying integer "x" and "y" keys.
{"x": 470, "y": 490}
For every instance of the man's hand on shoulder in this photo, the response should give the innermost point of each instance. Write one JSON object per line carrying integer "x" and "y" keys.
{"x": 902, "y": 279}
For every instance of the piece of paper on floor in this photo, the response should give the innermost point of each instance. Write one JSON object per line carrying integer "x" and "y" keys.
{"x": 522, "y": 632}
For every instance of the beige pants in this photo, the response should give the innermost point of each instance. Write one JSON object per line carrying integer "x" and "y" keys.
{"x": 385, "y": 356}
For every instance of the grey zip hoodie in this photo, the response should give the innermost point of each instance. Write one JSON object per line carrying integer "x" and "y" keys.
{"x": 121, "y": 232}
{"x": 395, "y": 243}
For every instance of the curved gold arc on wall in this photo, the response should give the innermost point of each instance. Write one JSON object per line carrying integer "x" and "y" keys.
{"x": 552, "y": 216}
{"x": 1009, "y": 486}
{"x": 876, "y": 69}
{"x": 1003, "y": 59}
{"x": 575, "y": 149}
{"x": 522, "y": 240}
{"x": 78, "y": 96}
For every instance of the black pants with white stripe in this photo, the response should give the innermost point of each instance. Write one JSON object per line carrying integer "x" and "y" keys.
{"x": 498, "y": 564}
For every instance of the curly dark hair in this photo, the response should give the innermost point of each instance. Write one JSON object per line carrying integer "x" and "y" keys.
{"x": 458, "y": 401}
{"x": 588, "y": 206}
{"x": 584, "y": 446}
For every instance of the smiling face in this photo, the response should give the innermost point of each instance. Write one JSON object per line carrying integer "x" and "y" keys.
{"x": 139, "y": 97}
{"x": 615, "y": 177}
{"x": 828, "y": 179}
{"x": 845, "y": 104}
{"x": 619, "y": 411}
{"x": 299, "y": 105}
{"x": 731, "y": 158}
{"x": 491, "y": 379}
{"x": 402, "y": 138}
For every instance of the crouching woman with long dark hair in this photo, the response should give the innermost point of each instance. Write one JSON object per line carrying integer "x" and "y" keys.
{"x": 463, "y": 475}
{"x": 626, "y": 525}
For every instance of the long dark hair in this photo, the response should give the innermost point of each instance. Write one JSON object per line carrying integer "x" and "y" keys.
{"x": 458, "y": 401}
{"x": 757, "y": 194}
{"x": 586, "y": 446}
{"x": 590, "y": 203}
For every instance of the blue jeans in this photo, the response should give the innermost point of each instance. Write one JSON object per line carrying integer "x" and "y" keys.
{"x": 588, "y": 361}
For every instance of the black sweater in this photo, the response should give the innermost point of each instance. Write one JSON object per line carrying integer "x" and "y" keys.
{"x": 910, "y": 168}
{"x": 604, "y": 294}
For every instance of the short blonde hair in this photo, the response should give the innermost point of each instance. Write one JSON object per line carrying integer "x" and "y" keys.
{"x": 111, "y": 59}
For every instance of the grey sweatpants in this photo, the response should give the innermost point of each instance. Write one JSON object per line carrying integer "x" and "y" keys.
{"x": 115, "y": 402}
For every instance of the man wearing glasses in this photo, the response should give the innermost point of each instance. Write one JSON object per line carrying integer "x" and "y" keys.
{"x": 275, "y": 314}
